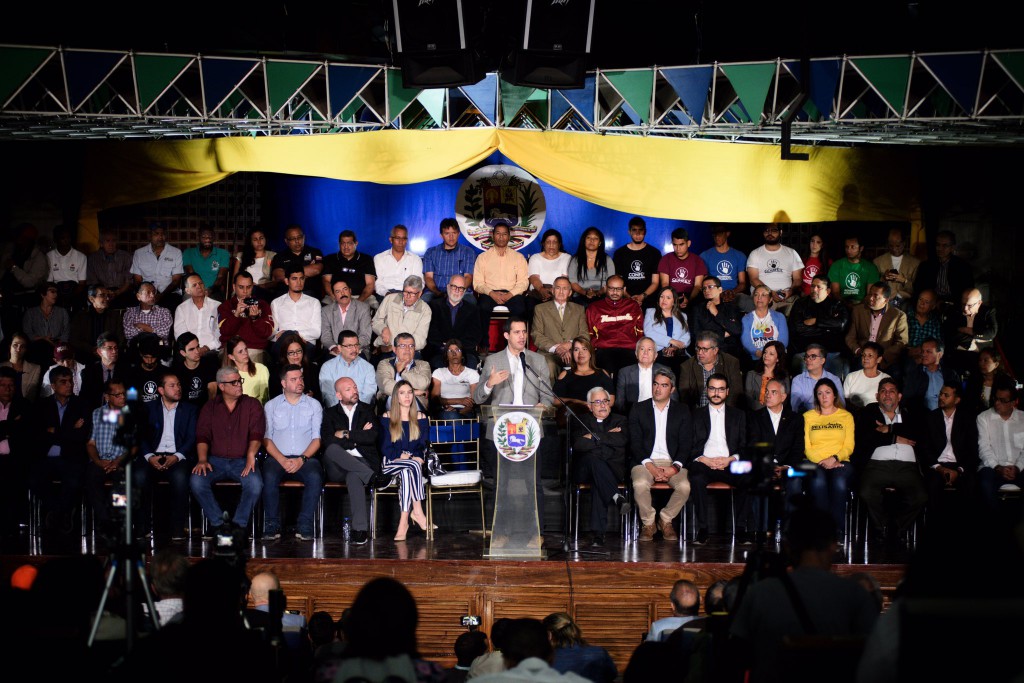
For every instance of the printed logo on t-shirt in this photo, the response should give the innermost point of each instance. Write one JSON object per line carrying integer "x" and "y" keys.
{"x": 810, "y": 271}
{"x": 853, "y": 281}
{"x": 725, "y": 269}
{"x": 196, "y": 385}
{"x": 149, "y": 391}
{"x": 682, "y": 275}
{"x": 636, "y": 270}
{"x": 773, "y": 266}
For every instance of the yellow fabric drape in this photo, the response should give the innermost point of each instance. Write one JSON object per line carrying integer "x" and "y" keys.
{"x": 652, "y": 176}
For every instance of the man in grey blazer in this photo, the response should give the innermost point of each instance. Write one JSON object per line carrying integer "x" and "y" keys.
{"x": 345, "y": 313}
{"x": 555, "y": 324}
{"x": 633, "y": 383}
{"x": 504, "y": 380}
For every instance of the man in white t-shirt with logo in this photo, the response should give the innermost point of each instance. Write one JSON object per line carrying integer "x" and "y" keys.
{"x": 778, "y": 267}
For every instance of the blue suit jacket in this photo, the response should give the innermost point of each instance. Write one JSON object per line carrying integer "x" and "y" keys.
{"x": 185, "y": 417}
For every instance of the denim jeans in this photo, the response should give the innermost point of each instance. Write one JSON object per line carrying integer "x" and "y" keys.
{"x": 312, "y": 477}
{"x": 227, "y": 469}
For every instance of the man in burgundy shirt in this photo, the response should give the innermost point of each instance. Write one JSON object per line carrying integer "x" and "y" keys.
{"x": 616, "y": 324}
{"x": 229, "y": 433}
{"x": 682, "y": 270}
{"x": 248, "y": 317}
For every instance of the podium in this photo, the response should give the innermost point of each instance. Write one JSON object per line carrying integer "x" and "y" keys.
{"x": 515, "y": 527}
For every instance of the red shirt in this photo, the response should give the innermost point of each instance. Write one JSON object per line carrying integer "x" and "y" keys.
{"x": 255, "y": 331}
{"x": 682, "y": 272}
{"x": 234, "y": 428}
{"x": 615, "y": 324}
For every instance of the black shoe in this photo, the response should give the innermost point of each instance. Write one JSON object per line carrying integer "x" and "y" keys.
{"x": 702, "y": 537}
{"x": 358, "y": 538}
{"x": 597, "y": 540}
{"x": 621, "y": 503}
{"x": 743, "y": 537}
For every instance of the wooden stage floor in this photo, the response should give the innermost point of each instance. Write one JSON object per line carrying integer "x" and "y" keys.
{"x": 613, "y": 595}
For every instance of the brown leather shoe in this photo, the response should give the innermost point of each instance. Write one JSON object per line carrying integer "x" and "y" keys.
{"x": 647, "y": 533}
{"x": 668, "y": 532}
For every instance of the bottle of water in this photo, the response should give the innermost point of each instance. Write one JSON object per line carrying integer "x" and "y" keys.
{"x": 346, "y": 530}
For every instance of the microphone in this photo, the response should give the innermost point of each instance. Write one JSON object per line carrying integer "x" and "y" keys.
{"x": 522, "y": 359}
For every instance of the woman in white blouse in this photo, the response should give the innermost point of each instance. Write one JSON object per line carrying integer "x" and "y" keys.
{"x": 547, "y": 264}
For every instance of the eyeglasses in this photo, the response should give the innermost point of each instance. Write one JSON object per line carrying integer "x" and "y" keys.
{"x": 600, "y": 402}
{"x": 297, "y": 352}
{"x": 406, "y": 292}
{"x": 349, "y": 346}
{"x": 406, "y": 346}
{"x": 616, "y": 289}
{"x": 706, "y": 348}
{"x": 772, "y": 228}
{"x": 456, "y": 288}
{"x": 1003, "y": 400}
{"x": 717, "y": 390}
{"x": 235, "y": 382}
{"x": 813, "y": 356}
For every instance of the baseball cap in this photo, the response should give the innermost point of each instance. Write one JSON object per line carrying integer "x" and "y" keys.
{"x": 63, "y": 352}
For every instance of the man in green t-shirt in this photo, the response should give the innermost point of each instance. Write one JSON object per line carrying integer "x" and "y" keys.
{"x": 209, "y": 262}
{"x": 851, "y": 276}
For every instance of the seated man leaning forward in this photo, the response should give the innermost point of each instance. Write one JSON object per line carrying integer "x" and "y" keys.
{"x": 661, "y": 434}
{"x": 229, "y": 433}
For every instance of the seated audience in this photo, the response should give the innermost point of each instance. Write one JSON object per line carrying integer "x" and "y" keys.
{"x": 572, "y": 653}
{"x": 500, "y": 278}
{"x": 548, "y": 264}
{"x": 403, "y": 312}
{"x": 556, "y": 322}
{"x": 528, "y": 653}
{"x": 770, "y": 366}
{"x": 666, "y": 326}
{"x": 969, "y": 330}
{"x": 453, "y": 317}
{"x": 948, "y": 274}
{"x": 255, "y": 376}
{"x": 110, "y": 267}
{"x": 443, "y": 261}
{"x": 875, "y": 320}
{"x": 147, "y": 317}
{"x": 989, "y": 372}
{"x": 583, "y": 374}
{"x": 405, "y": 433}
{"x": 714, "y": 314}
{"x": 762, "y": 325}
{"x": 209, "y": 262}
{"x": 63, "y": 355}
{"x": 452, "y": 386}
{"x": 861, "y": 386}
{"x": 294, "y": 352}
{"x": 599, "y": 454}
{"x": 685, "y": 599}
{"x": 296, "y": 311}
{"x": 46, "y": 325}
{"x": 93, "y": 320}
{"x": 922, "y": 383}
{"x": 949, "y": 457}
{"x": 247, "y": 316}
{"x": 107, "y": 454}
{"x": 898, "y": 268}
{"x": 709, "y": 359}
{"x": 616, "y": 324}
{"x": 468, "y": 646}
{"x": 349, "y": 363}
{"x": 852, "y": 274}
{"x": 344, "y": 313}
{"x": 801, "y": 396}
{"x": 589, "y": 268}
{"x": 829, "y": 443}
{"x": 28, "y": 375}
{"x": 1000, "y": 434}
{"x": 255, "y": 259}
{"x": 633, "y": 382}
{"x": 924, "y": 322}
{"x": 818, "y": 318}
{"x": 404, "y": 366}
{"x": 198, "y": 380}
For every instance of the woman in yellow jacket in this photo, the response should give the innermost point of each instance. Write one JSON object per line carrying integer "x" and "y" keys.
{"x": 828, "y": 443}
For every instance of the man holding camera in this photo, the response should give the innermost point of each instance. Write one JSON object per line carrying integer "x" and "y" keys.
{"x": 248, "y": 317}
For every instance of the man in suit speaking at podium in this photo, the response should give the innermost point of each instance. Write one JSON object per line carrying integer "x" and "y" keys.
{"x": 514, "y": 376}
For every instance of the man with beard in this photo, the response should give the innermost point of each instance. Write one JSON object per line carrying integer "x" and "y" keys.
{"x": 637, "y": 262}
{"x": 616, "y": 324}
{"x": 453, "y": 317}
{"x": 776, "y": 266}
{"x": 500, "y": 278}
{"x": 147, "y": 374}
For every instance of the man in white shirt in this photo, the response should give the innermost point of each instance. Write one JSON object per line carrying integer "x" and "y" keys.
{"x": 198, "y": 315}
{"x": 778, "y": 267}
{"x": 296, "y": 311}
{"x": 1001, "y": 446}
{"x": 161, "y": 264}
{"x": 67, "y": 268}
{"x": 395, "y": 264}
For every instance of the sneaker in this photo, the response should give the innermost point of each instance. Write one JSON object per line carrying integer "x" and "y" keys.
{"x": 647, "y": 533}
{"x": 179, "y": 535}
{"x": 271, "y": 535}
{"x": 306, "y": 535}
{"x": 621, "y": 503}
{"x": 668, "y": 532}
{"x": 597, "y": 541}
{"x": 702, "y": 537}
{"x": 358, "y": 537}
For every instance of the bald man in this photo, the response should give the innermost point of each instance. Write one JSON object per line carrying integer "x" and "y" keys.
{"x": 293, "y": 626}
{"x": 349, "y": 435}
{"x": 969, "y": 330}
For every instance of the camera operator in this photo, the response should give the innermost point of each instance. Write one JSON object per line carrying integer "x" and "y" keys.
{"x": 808, "y": 601}
{"x": 248, "y": 317}
{"x": 107, "y": 449}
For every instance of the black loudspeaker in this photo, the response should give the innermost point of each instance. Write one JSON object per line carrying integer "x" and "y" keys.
{"x": 433, "y": 46}
{"x": 556, "y": 43}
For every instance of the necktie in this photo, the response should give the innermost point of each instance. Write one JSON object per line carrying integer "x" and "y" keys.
{"x": 561, "y": 312}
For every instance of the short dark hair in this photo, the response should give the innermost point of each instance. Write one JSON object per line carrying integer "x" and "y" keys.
{"x": 874, "y": 346}
{"x": 7, "y": 372}
{"x": 294, "y": 267}
{"x": 58, "y": 371}
{"x": 939, "y": 346}
{"x": 290, "y": 367}
{"x": 448, "y": 223}
{"x": 896, "y": 383}
{"x": 513, "y": 319}
{"x": 667, "y": 374}
{"x": 526, "y": 638}
{"x": 680, "y": 234}
{"x": 955, "y": 386}
{"x": 948, "y": 234}
{"x": 638, "y": 222}
{"x": 347, "y": 334}
{"x": 243, "y": 273}
{"x": 719, "y": 376}
{"x": 469, "y": 646}
{"x": 884, "y": 287}
{"x": 1000, "y": 384}
{"x": 347, "y": 233}
{"x": 183, "y": 340}
{"x": 105, "y": 337}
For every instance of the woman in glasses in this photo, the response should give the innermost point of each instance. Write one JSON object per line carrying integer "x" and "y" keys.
{"x": 293, "y": 352}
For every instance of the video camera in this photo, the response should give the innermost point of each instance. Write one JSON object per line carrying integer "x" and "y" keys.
{"x": 229, "y": 542}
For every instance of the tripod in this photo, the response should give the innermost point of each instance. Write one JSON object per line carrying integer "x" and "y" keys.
{"x": 567, "y": 494}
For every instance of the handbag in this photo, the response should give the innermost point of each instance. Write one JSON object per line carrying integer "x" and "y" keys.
{"x": 432, "y": 462}
{"x": 379, "y": 480}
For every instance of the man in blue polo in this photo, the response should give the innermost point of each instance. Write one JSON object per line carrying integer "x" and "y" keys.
{"x": 442, "y": 261}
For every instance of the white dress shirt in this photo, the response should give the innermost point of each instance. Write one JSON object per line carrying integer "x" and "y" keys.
{"x": 1001, "y": 442}
{"x": 303, "y": 316}
{"x": 391, "y": 273}
{"x": 202, "y": 322}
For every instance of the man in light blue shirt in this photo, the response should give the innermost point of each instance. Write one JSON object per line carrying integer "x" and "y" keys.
{"x": 348, "y": 363}
{"x": 442, "y": 261}
{"x": 291, "y": 442}
{"x": 801, "y": 395}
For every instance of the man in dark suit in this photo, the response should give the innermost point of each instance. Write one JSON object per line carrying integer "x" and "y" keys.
{"x": 349, "y": 434}
{"x": 778, "y": 430}
{"x": 453, "y": 317}
{"x": 949, "y": 457}
{"x": 601, "y": 461}
{"x": 14, "y": 428}
{"x": 61, "y": 430}
{"x": 167, "y": 454}
{"x": 948, "y": 274}
{"x": 923, "y": 381}
{"x": 969, "y": 330}
{"x": 660, "y": 434}
{"x": 633, "y": 383}
{"x": 719, "y": 439}
{"x": 96, "y": 374}
{"x": 888, "y": 438}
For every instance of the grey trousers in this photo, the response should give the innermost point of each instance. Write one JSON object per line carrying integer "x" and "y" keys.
{"x": 355, "y": 472}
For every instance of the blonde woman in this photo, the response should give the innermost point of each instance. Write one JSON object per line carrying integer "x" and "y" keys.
{"x": 404, "y": 439}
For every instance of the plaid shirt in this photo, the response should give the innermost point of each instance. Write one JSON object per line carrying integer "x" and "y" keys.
{"x": 103, "y": 434}
{"x": 918, "y": 332}
{"x": 159, "y": 318}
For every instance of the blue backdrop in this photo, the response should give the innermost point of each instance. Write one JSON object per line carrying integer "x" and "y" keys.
{"x": 325, "y": 207}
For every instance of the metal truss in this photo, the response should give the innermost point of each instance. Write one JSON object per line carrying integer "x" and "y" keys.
{"x": 955, "y": 98}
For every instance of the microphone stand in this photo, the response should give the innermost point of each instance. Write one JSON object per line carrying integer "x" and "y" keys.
{"x": 566, "y": 496}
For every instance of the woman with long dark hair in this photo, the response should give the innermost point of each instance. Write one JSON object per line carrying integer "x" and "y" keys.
{"x": 404, "y": 434}
{"x": 583, "y": 374}
{"x": 255, "y": 376}
{"x": 666, "y": 325}
{"x": 256, "y": 259}
{"x": 828, "y": 443}
{"x": 547, "y": 264}
{"x": 293, "y": 352}
{"x": 590, "y": 267}
{"x": 770, "y": 366}
{"x": 815, "y": 259}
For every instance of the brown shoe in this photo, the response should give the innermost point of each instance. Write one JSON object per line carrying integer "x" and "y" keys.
{"x": 668, "y": 532}
{"x": 647, "y": 533}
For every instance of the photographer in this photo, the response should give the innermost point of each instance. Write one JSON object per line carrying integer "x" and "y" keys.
{"x": 107, "y": 449}
{"x": 248, "y": 317}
